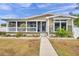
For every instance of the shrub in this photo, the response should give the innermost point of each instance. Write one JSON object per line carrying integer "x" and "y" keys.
{"x": 77, "y": 37}
{"x": 2, "y": 33}
{"x": 19, "y": 34}
{"x": 62, "y": 33}
{"x": 76, "y": 22}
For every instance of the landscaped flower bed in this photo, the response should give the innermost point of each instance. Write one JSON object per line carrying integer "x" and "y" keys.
{"x": 19, "y": 34}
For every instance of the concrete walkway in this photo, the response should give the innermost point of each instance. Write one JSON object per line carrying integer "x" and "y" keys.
{"x": 46, "y": 48}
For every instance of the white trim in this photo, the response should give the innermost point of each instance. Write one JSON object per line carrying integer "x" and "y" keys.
{"x": 36, "y": 20}
{"x": 61, "y": 18}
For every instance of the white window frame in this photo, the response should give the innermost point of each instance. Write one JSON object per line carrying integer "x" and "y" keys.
{"x": 60, "y": 21}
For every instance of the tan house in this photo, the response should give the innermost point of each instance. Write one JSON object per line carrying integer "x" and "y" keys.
{"x": 46, "y": 23}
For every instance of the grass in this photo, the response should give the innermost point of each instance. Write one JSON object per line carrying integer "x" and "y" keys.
{"x": 18, "y": 47}
{"x": 66, "y": 47}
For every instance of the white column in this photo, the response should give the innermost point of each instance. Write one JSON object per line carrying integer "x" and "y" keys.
{"x": 26, "y": 26}
{"x": 72, "y": 24}
{"x": 60, "y": 24}
{"x": 36, "y": 26}
{"x": 48, "y": 26}
{"x": 16, "y": 26}
{"x": 7, "y": 27}
{"x": 53, "y": 26}
{"x": 67, "y": 25}
{"x": 41, "y": 26}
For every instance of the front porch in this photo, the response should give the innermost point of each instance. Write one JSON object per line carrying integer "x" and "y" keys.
{"x": 25, "y": 26}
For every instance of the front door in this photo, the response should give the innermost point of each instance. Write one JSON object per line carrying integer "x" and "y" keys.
{"x": 41, "y": 26}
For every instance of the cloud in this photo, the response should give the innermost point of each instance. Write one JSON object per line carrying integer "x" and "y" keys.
{"x": 76, "y": 12}
{"x": 26, "y": 5}
{"x": 5, "y": 7}
{"x": 63, "y": 8}
{"x": 8, "y": 16}
{"x": 43, "y": 5}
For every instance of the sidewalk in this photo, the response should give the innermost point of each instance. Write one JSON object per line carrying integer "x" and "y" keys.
{"x": 46, "y": 48}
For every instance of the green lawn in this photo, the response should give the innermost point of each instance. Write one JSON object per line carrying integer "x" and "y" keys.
{"x": 16, "y": 47}
{"x": 66, "y": 47}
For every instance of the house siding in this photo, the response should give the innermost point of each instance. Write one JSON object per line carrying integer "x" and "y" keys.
{"x": 37, "y": 19}
{"x": 51, "y": 25}
{"x": 70, "y": 25}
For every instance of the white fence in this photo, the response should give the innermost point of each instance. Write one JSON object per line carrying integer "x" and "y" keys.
{"x": 76, "y": 32}
{"x": 18, "y": 29}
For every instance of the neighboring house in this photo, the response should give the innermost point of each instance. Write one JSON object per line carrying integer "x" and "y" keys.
{"x": 47, "y": 23}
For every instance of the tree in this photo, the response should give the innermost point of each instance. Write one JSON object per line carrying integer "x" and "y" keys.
{"x": 70, "y": 13}
{"x": 77, "y": 6}
{"x": 76, "y": 21}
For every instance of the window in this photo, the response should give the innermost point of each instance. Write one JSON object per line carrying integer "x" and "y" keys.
{"x": 43, "y": 26}
{"x": 31, "y": 26}
{"x": 21, "y": 24}
{"x": 12, "y": 24}
{"x": 63, "y": 25}
{"x": 60, "y": 24}
{"x": 57, "y": 25}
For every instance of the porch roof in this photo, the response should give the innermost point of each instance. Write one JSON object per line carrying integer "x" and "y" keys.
{"x": 27, "y": 18}
{"x": 14, "y": 19}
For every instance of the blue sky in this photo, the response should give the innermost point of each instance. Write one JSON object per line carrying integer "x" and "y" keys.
{"x": 22, "y": 10}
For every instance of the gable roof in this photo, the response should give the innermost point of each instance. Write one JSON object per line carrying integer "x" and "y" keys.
{"x": 68, "y": 16}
